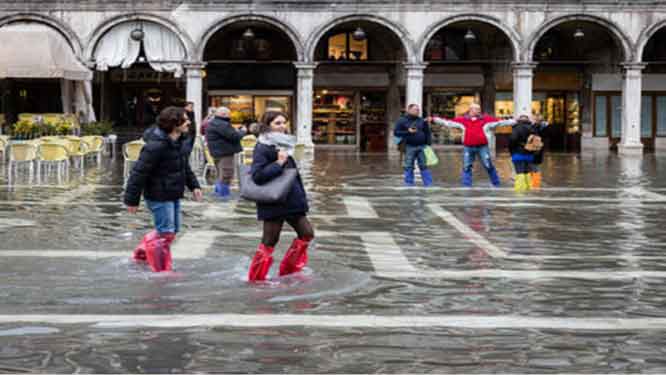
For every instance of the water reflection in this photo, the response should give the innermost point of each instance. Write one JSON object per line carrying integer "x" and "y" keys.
{"x": 340, "y": 279}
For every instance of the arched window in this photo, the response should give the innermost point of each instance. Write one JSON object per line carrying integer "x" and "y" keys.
{"x": 344, "y": 47}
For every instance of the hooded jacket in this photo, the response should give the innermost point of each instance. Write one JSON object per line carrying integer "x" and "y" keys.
{"x": 162, "y": 171}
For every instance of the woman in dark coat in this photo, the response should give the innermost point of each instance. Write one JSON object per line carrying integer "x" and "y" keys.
{"x": 272, "y": 155}
{"x": 161, "y": 175}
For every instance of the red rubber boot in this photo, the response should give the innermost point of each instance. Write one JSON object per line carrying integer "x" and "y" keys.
{"x": 158, "y": 252}
{"x": 296, "y": 257}
{"x": 140, "y": 251}
{"x": 261, "y": 263}
{"x": 169, "y": 238}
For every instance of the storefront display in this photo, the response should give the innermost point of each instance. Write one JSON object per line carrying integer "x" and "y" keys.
{"x": 373, "y": 122}
{"x": 249, "y": 108}
{"x": 560, "y": 109}
{"x": 334, "y": 120}
{"x": 448, "y": 105}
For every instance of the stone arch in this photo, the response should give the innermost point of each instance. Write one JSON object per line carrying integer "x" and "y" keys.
{"x": 397, "y": 29}
{"x": 645, "y": 37}
{"x": 619, "y": 35}
{"x": 283, "y": 26}
{"x": 107, "y": 25}
{"x": 54, "y": 23}
{"x": 510, "y": 33}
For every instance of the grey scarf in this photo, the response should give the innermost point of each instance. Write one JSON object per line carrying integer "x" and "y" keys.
{"x": 284, "y": 142}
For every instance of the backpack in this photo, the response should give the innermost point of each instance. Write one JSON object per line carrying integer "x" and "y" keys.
{"x": 534, "y": 143}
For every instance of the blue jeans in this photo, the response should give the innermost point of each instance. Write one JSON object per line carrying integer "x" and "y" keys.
{"x": 166, "y": 215}
{"x": 470, "y": 154}
{"x": 415, "y": 153}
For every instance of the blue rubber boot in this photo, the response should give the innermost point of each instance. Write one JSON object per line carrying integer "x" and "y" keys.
{"x": 467, "y": 179}
{"x": 494, "y": 178}
{"x": 409, "y": 178}
{"x": 225, "y": 191}
{"x": 218, "y": 189}
{"x": 427, "y": 177}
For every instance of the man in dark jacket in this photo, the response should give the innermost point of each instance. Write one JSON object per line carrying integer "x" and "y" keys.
{"x": 223, "y": 142}
{"x": 415, "y": 132}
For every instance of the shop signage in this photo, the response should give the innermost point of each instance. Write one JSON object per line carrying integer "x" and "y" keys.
{"x": 142, "y": 76}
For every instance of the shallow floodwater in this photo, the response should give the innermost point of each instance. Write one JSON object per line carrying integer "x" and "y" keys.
{"x": 381, "y": 251}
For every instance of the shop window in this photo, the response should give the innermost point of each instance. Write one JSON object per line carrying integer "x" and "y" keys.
{"x": 600, "y": 118}
{"x": 344, "y": 47}
{"x": 263, "y": 104}
{"x": 616, "y": 116}
{"x": 646, "y": 116}
{"x": 449, "y": 105}
{"x": 573, "y": 113}
{"x": 334, "y": 121}
{"x": 504, "y": 105}
{"x": 246, "y": 109}
{"x": 661, "y": 116}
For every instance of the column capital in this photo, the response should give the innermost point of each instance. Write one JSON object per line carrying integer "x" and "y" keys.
{"x": 635, "y": 66}
{"x": 524, "y": 65}
{"x": 415, "y": 66}
{"x": 194, "y": 65}
{"x": 302, "y": 65}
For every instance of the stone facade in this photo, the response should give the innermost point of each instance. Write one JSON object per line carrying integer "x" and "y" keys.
{"x": 631, "y": 23}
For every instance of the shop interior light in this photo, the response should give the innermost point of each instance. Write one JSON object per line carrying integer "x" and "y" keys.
{"x": 579, "y": 33}
{"x": 248, "y": 34}
{"x": 137, "y": 33}
{"x": 470, "y": 36}
{"x": 359, "y": 34}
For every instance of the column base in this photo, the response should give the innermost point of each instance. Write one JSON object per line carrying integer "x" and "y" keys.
{"x": 306, "y": 145}
{"x": 633, "y": 149}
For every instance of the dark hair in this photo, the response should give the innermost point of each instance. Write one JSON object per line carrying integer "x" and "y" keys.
{"x": 267, "y": 118}
{"x": 412, "y": 106}
{"x": 170, "y": 118}
{"x": 188, "y": 103}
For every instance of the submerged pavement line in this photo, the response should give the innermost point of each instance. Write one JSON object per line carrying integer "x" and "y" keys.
{"x": 343, "y": 321}
{"x": 468, "y": 232}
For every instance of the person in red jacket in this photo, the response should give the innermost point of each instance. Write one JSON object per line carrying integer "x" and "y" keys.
{"x": 475, "y": 126}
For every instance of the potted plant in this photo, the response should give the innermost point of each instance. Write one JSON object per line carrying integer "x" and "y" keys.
{"x": 24, "y": 129}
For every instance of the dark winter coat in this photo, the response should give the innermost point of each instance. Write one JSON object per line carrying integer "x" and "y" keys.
{"x": 162, "y": 171}
{"x": 519, "y": 136}
{"x": 540, "y": 130}
{"x": 264, "y": 169}
{"x": 422, "y": 136}
{"x": 222, "y": 138}
{"x": 151, "y": 134}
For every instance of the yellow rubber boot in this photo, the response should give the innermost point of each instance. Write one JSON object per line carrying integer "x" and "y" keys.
{"x": 522, "y": 183}
{"x": 535, "y": 180}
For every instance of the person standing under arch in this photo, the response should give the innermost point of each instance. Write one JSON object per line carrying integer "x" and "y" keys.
{"x": 475, "y": 126}
{"x": 414, "y": 131}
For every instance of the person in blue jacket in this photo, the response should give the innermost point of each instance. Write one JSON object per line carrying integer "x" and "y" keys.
{"x": 415, "y": 132}
{"x": 271, "y": 157}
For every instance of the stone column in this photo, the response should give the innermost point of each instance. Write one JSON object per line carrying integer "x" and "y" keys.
{"x": 630, "y": 143}
{"x": 305, "y": 83}
{"x": 523, "y": 74}
{"x": 414, "y": 94}
{"x": 195, "y": 90}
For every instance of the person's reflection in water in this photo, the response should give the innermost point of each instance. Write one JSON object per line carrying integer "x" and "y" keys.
{"x": 478, "y": 219}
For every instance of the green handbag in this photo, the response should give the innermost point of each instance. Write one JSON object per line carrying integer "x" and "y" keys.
{"x": 430, "y": 157}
